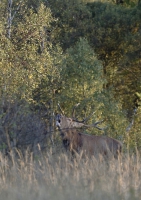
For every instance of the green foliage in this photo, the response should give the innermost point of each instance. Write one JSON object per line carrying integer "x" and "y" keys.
{"x": 114, "y": 116}
{"x": 114, "y": 32}
{"x": 82, "y": 76}
{"x": 73, "y": 17}
{"x": 133, "y": 137}
{"x": 28, "y": 55}
{"x": 82, "y": 81}
{"x": 7, "y": 71}
{"x": 49, "y": 85}
{"x": 99, "y": 66}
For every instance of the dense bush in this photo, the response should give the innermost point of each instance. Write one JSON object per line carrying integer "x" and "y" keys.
{"x": 21, "y": 128}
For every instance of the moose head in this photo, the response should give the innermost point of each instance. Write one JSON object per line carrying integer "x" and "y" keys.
{"x": 63, "y": 122}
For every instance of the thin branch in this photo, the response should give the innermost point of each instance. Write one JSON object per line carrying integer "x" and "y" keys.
{"x": 16, "y": 10}
{"x": 10, "y": 16}
{"x": 132, "y": 122}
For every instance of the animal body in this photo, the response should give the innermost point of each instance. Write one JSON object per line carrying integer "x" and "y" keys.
{"x": 75, "y": 141}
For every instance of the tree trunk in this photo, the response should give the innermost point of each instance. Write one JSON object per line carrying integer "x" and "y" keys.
{"x": 9, "y": 21}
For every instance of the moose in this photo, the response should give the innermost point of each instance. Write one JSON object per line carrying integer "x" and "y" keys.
{"x": 76, "y": 141}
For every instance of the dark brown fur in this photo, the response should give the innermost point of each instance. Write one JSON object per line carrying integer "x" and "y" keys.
{"x": 74, "y": 141}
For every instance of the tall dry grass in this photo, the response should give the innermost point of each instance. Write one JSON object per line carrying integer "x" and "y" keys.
{"x": 58, "y": 176}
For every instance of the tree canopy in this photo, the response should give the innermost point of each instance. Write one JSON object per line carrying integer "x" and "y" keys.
{"x": 70, "y": 52}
